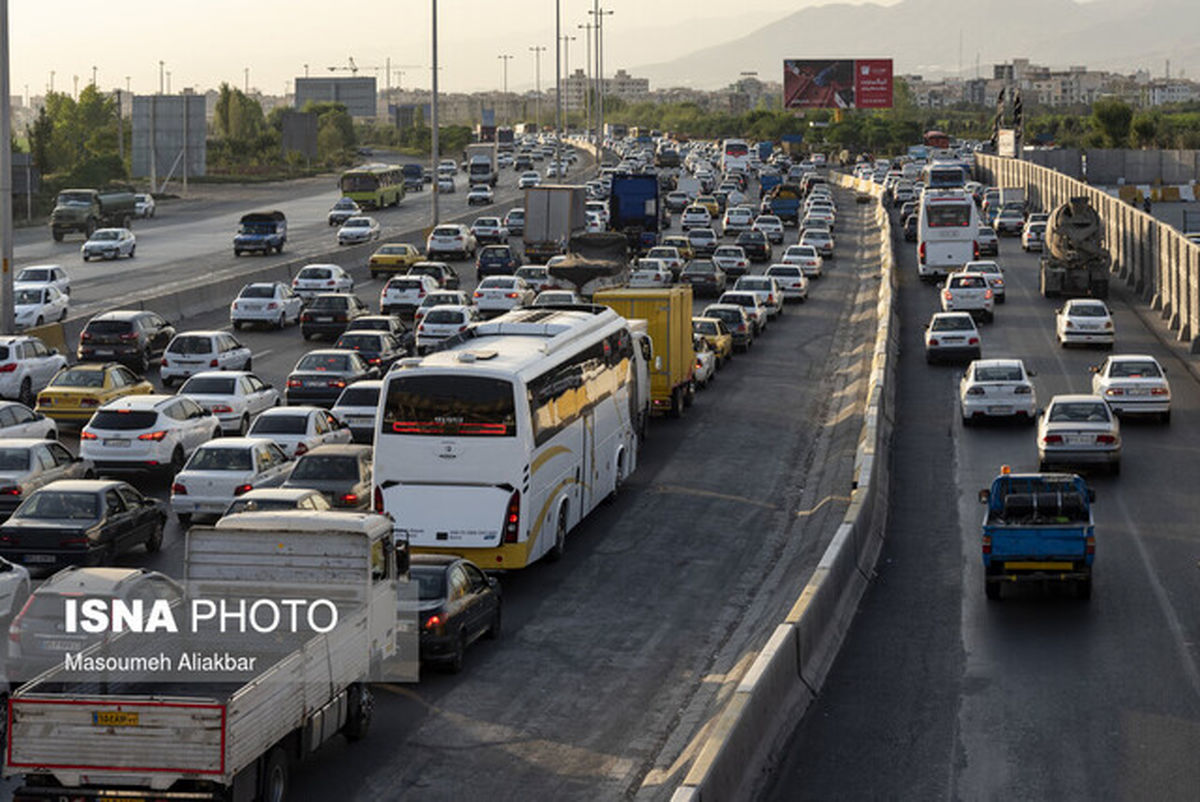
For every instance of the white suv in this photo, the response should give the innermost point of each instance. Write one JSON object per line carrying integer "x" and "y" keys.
{"x": 403, "y": 294}
{"x": 26, "y": 367}
{"x": 192, "y": 352}
{"x": 451, "y": 238}
{"x": 695, "y": 216}
{"x": 146, "y": 433}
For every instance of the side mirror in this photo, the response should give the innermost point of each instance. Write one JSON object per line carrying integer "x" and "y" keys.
{"x": 1094, "y": 368}
{"x": 985, "y": 495}
{"x": 1164, "y": 369}
{"x": 1091, "y": 496}
{"x": 1058, "y": 311}
{"x": 53, "y": 352}
{"x": 1031, "y": 373}
{"x": 5, "y": 567}
{"x": 1041, "y": 411}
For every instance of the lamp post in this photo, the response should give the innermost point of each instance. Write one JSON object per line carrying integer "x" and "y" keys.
{"x": 587, "y": 87}
{"x": 600, "y": 14}
{"x": 161, "y": 75}
{"x": 434, "y": 118}
{"x": 566, "y": 74}
{"x": 7, "y": 312}
{"x": 537, "y": 54}
{"x": 505, "y": 57}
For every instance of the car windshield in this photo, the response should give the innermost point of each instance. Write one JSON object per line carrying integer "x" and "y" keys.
{"x": 321, "y": 466}
{"x": 209, "y": 385}
{"x": 1079, "y": 412}
{"x": 753, "y": 284}
{"x": 998, "y": 373}
{"x": 967, "y": 282}
{"x": 14, "y": 459}
{"x": 393, "y": 250}
{"x": 704, "y": 327}
{"x": 404, "y": 284}
{"x": 986, "y": 233}
{"x": 280, "y": 424}
{"x": 30, "y": 274}
{"x": 361, "y": 342}
{"x": 59, "y": 505}
{"x": 108, "y": 327}
{"x": 345, "y": 203}
{"x": 1131, "y": 369}
{"x": 953, "y": 323}
{"x": 101, "y": 236}
{"x": 444, "y": 316}
{"x": 1088, "y": 310}
{"x": 191, "y": 344}
{"x": 123, "y": 419}
{"x": 258, "y": 291}
{"x": 357, "y": 222}
{"x": 431, "y": 581}
{"x": 79, "y": 377}
{"x": 260, "y": 505}
{"x": 220, "y": 459}
{"x": 313, "y": 273}
{"x": 330, "y": 302}
{"x": 359, "y": 397}
{"x": 700, "y": 267}
{"x": 334, "y": 362}
{"x": 27, "y": 296}
{"x": 445, "y": 232}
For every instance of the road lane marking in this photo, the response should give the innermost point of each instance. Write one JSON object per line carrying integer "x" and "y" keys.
{"x": 820, "y": 504}
{"x": 692, "y": 491}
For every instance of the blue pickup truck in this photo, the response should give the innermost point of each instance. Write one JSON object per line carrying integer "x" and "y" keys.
{"x": 1038, "y": 528}
{"x": 784, "y": 202}
{"x": 262, "y": 232}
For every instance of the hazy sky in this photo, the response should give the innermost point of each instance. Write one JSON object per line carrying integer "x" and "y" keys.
{"x": 209, "y": 41}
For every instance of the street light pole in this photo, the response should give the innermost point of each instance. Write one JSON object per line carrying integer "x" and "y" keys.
{"x": 161, "y": 67}
{"x": 7, "y": 312}
{"x": 566, "y": 74}
{"x": 505, "y": 57}
{"x": 434, "y": 118}
{"x": 587, "y": 87}
{"x": 558, "y": 127}
{"x": 537, "y": 54}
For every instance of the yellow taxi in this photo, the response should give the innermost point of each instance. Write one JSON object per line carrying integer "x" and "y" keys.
{"x": 396, "y": 257}
{"x": 77, "y": 391}
{"x": 683, "y": 245}
{"x": 716, "y": 334}
{"x": 711, "y": 203}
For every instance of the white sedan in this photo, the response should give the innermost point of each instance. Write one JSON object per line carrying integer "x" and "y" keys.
{"x": 221, "y": 470}
{"x": 18, "y": 420}
{"x": 1133, "y": 384}
{"x": 480, "y": 194}
{"x": 53, "y": 275}
{"x": 358, "y": 229}
{"x": 269, "y": 302}
{"x": 299, "y": 429}
{"x": 1084, "y": 321}
{"x": 312, "y": 280}
{"x": 498, "y": 294}
{"x": 770, "y": 225}
{"x": 650, "y": 273}
{"x": 109, "y": 243}
{"x": 529, "y": 179}
{"x": 144, "y": 205}
{"x": 14, "y": 590}
{"x": 235, "y": 397}
{"x": 1079, "y": 430}
{"x": 997, "y": 388}
{"x": 804, "y": 257}
{"x": 36, "y": 305}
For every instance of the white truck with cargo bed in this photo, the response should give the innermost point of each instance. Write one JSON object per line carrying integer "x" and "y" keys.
{"x": 132, "y": 731}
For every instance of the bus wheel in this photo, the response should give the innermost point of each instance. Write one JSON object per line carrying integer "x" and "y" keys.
{"x": 560, "y": 536}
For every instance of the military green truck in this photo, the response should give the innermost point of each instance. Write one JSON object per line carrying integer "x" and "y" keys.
{"x": 85, "y": 210}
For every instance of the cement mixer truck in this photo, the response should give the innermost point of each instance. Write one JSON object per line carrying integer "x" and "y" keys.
{"x": 1075, "y": 262}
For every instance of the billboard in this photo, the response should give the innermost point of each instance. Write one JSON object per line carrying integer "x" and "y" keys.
{"x": 161, "y": 125}
{"x": 356, "y": 94}
{"x": 837, "y": 83}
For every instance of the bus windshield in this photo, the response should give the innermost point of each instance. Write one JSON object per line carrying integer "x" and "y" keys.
{"x": 440, "y": 405}
{"x": 947, "y": 215}
{"x": 359, "y": 182}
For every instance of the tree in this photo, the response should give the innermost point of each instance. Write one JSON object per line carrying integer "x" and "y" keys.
{"x": 1112, "y": 118}
{"x": 1144, "y": 130}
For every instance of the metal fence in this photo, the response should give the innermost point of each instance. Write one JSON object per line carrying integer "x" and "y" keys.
{"x": 1155, "y": 260}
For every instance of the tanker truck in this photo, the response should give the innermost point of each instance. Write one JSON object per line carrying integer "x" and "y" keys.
{"x": 1075, "y": 262}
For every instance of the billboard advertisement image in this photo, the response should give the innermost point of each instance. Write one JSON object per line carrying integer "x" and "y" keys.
{"x": 837, "y": 83}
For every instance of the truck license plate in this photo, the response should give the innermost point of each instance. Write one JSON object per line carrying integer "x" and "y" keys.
{"x": 114, "y": 718}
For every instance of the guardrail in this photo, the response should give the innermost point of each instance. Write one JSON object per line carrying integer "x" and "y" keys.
{"x": 1155, "y": 260}
{"x": 791, "y": 668}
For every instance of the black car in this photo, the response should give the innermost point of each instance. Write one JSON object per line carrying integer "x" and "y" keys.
{"x": 755, "y": 244}
{"x": 81, "y": 522}
{"x": 132, "y": 337}
{"x": 910, "y": 228}
{"x": 37, "y": 639}
{"x": 341, "y": 473}
{"x": 457, "y": 604}
{"x": 379, "y": 348}
{"x": 496, "y": 260}
{"x": 441, "y": 272}
{"x": 523, "y": 162}
{"x": 320, "y": 376}
{"x": 329, "y": 313}
{"x": 704, "y": 277}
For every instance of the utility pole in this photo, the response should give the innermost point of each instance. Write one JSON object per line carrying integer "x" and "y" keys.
{"x": 76, "y": 90}
{"x": 558, "y": 127}
{"x": 128, "y": 91}
{"x": 434, "y": 120}
{"x": 537, "y": 55}
{"x": 566, "y": 73}
{"x": 51, "y": 81}
{"x": 505, "y": 57}
{"x": 186, "y": 95}
{"x": 600, "y": 14}
{"x": 168, "y": 82}
{"x": 7, "y": 313}
{"x": 305, "y": 70}
{"x": 120, "y": 130}
{"x": 93, "y": 75}
{"x": 587, "y": 87}
{"x": 161, "y": 76}
{"x": 246, "y": 80}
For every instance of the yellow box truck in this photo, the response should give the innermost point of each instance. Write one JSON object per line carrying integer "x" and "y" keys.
{"x": 668, "y": 315}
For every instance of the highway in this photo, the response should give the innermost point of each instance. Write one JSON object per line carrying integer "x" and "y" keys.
{"x": 613, "y": 660}
{"x": 940, "y": 694}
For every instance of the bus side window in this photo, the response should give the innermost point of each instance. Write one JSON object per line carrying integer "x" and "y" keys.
{"x": 646, "y": 351}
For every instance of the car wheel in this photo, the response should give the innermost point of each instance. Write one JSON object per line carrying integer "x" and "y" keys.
{"x": 1114, "y": 469}
{"x": 249, "y": 365}
{"x": 184, "y": 518}
{"x": 25, "y": 395}
{"x": 176, "y": 461}
{"x": 455, "y": 664}
{"x": 244, "y": 426}
{"x": 237, "y": 325}
{"x": 362, "y": 708}
{"x": 132, "y": 251}
{"x": 154, "y": 542}
{"x": 144, "y": 361}
{"x": 86, "y": 257}
{"x": 1164, "y": 417}
{"x": 560, "y": 537}
{"x": 275, "y": 777}
{"x": 493, "y": 632}
{"x": 991, "y": 590}
{"x": 1083, "y": 589}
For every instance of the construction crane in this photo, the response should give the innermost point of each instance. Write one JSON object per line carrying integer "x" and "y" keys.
{"x": 352, "y": 69}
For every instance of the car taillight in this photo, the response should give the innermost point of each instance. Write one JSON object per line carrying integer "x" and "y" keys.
{"x": 179, "y": 489}
{"x": 1108, "y": 324}
{"x": 512, "y": 517}
{"x": 1090, "y": 544}
{"x": 378, "y": 497}
{"x": 462, "y": 328}
{"x": 129, "y": 335}
{"x": 272, "y": 305}
{"x": 1159, "y": 391}
{"x": 330, "y": 283}
{"x": 10, "y": 491}
{"x": 421, "y": 293}
{"x": 988, "y": 294}
{"x": 975, "y": 249}
{"x": 771, "y": 299}
{"x": 741, "y": 327}
{"x": 89, "y": 402}
{"x": 8, "y": 368}
{"x": 421, "y": 327}
{"x": 1052, "y": 438}
{"x": 1023, "y": 391}
{"x": 155, "y": 436}
{"x": 301, "y": 449}
{"x": 1107, "y": 439}
{"x": 987, "y": 544}
{"x": 336, "y": 383}
{"x": 933, "y": 341}
{"x": 350, "y": 498}
{"x": 921, "y": 252}
{"x": 973, "y": 341}
{"x": 1070, "y": 324}
{"x": 85, "y": 336}
{"x": 294, "y": 383}
{"x": 1114, "y": 391}
{"x": 212, "y": 363}
{"x": 305, "y": 317}
{"x": 478, "y": 294}
{"x": 435, "y": 624}
{"x": 949, "y": 296}
{"x": 237, "y": 491}
{"x": 975, "y": 391}
{"x": 510, "y": 295}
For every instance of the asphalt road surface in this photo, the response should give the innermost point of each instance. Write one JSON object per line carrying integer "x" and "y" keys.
{"x": 940, "y": 694}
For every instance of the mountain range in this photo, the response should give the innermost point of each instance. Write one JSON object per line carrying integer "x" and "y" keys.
{"x": 936, "y": 38}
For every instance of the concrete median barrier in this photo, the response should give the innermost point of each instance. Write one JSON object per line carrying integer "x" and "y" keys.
{"x": 52, "y": 334}
{"x": 789, "y": 672}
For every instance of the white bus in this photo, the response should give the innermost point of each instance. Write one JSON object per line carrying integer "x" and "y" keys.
{"x": 495, "y": 448}
{"x": 946, "y": 229}
{"x": 735, "y": 156}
